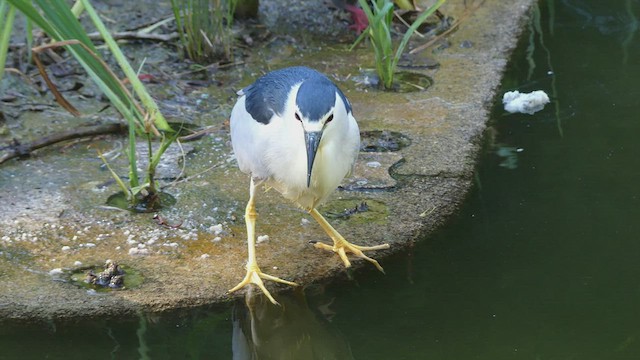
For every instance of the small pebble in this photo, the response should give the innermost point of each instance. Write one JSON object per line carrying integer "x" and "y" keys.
{"x": 466, "y": 44}
{"x": 204, "y": 256}
{"x": 138, "y": 252}
{"x": 217, "y": 239}
{"x": 216, "y": 229}
{"x": 262, "y": 238}
{"x": 374, "y": 164}
{"x": 77, "y": 263}
{"x": 90, "y": 245}
{"x": 56, "y": 271}
{"x": 66, "y": 248}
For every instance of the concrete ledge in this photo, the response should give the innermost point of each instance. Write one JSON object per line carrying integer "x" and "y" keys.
{"x": 51, "y": 215}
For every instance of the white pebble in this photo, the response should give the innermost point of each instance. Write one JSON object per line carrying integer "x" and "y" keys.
{"x": 374, "y": 164}
{"x": 56, "y": 271}
{"x": 217, "y": 239}
{"x": 204, "y": 256}
{"x": 77, "y": 263}
{"x": 90, "y": 245}
{"x": 138, "y": 252}
{"x": 216, "y": 229}
{"x": 304, "y": 221}
{"x": 262, "y": 238}
{"x": 66, "y": 248}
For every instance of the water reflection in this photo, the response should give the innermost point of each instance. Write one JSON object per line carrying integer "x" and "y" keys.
{"x": 265, "y": 331}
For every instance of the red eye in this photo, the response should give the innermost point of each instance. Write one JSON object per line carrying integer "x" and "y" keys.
{"x": 329, "y": 119}
{"x": 298, "y": 117}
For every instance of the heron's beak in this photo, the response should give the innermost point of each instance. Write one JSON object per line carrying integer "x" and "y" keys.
{"x": 312, "y": 139}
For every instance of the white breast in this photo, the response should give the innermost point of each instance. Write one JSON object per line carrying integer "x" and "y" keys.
{"x": 276, "y": 152}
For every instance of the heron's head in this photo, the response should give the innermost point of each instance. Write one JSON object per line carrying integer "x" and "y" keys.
{"x": 316, "y": 103}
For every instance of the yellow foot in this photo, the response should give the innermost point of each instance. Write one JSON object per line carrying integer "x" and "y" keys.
{"x": 342, "y": 247}
{"x": 255, "y": 276}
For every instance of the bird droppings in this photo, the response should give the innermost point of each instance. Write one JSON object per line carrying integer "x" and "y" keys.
{"x": 425, "y": 143}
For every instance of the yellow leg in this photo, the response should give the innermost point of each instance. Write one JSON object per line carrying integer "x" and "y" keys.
{"x": 254, "y": 274}
{"x": 342, "y": 246}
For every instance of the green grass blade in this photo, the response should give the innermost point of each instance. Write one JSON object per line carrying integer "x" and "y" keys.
{"x": 27, "y": 8}
{"x": 29, "y": 27}
{"x": 60, "y": 15}
{"x": 138, "y": 87}
{"x": 3, "y": 11}
{"x": 133, "y": 166}
{"x": 118, "y": 179}
{"x": 5, "y": 37}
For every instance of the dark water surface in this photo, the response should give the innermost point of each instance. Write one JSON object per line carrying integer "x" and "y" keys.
{"x": 542, "y": 262}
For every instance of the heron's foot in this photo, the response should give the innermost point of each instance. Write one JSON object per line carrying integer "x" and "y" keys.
{"x": 255, "y": 276}
{"x": 342, "y": 247}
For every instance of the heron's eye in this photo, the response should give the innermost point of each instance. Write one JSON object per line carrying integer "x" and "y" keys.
{"x": 329, "y": 119}
{"x": 298, "y": 117}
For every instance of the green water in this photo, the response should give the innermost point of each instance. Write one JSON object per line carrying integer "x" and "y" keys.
{"x": 542, "y": 261}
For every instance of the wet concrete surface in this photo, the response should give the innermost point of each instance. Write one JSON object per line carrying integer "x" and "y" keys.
{"x": 53, "y": 220}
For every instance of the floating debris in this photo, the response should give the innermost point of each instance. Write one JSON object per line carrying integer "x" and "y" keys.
{"x": 526, "y": 103}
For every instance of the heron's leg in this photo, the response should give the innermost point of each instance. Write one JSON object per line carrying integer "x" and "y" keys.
{"x": 342, "y": 246}
{"x": 254, "y": 274}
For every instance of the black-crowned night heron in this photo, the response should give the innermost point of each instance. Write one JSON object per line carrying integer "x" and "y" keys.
{"x": 293, "y": 130}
